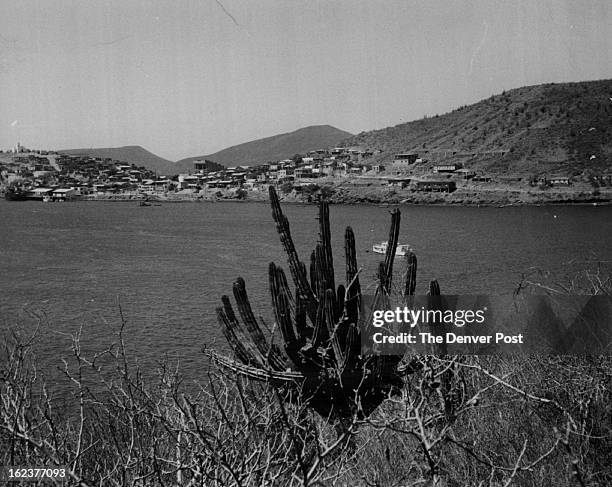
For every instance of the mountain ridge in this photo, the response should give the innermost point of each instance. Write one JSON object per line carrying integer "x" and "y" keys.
{"x": 562, "y": 127}
{"x": 257, "y": 151}
{"x": 273, "y": 148}
{"x": 540, "y": 129}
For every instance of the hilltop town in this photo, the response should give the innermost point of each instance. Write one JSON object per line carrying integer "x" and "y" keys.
{"x": 51, "y": 176}
{"x": 338, "y": 174}
{"x": 531, "y": 145}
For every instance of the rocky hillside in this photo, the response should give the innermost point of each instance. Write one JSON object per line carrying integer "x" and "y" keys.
{"x": 273, "y": 148}
{"x": 563, "y": 128}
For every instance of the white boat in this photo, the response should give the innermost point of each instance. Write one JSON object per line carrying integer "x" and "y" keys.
{"x": 381, "y": 248}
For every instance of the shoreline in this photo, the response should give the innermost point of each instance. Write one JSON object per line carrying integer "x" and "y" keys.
{"x": 438, "y": 200}
{"x": 495, "y": 196}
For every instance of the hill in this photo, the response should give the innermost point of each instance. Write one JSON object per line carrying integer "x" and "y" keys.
{"x": 273, "y": 148}
{"x": 133, "y": 154}
{"x": 563, "y": 128}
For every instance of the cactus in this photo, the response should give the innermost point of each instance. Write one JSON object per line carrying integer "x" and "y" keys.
{"x": 319, "y": 326}
{"x": 411, "y": 270}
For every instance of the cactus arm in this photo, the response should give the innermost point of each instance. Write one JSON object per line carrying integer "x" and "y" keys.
{"x": 254, "y": 353}
{"x": 235, "y": 344}
{"x": 255, "y": 373}
{"x": 381, "y": 274}
{"x": 327, "y": 260}
{"x": 235, "y": 337}
{"x": 281, "y": 308}
{"x": 248, "y": 317}
{"x": 434, "y": 288}
{"x": 297, "y": 270}
{"x": 353, "y": 291}
{"x": 320, "y": 334}
{"x": 333, "y": 328}
{"x": 434, "y": 301}
{"x": 411, "y": 273}
{"x": 272, "y": 355}
{"x": 351, "y": 347}
{"x": 340, "y": 297}
{"x": 391, "y": 248}
{"x": 304, "y": 331}
{"x": 313, "y": 271}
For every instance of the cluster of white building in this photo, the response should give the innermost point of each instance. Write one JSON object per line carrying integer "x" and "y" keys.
{"x": 337, "y": 162}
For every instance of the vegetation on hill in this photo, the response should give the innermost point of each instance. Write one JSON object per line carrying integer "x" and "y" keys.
{"x": 132, "y": 154}
{"x": 563, "y": 127}
{"x": 273, "y": 148}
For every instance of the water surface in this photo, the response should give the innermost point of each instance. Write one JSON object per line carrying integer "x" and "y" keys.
{"x": 167, "y": 266}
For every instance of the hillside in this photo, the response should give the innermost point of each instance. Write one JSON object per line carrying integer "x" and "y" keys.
{"x": 273, "y": 148}
{"x": 133, "y": 154}
{"x": 563, "y": 128}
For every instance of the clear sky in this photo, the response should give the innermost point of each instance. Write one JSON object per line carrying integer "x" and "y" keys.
{"x": 185, "y": 78}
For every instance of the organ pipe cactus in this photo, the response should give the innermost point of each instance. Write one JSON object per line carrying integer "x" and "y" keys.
{"x": 320, "y": 325}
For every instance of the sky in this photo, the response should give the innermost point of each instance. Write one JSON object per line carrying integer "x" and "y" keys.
{"x": 185, "y": 78}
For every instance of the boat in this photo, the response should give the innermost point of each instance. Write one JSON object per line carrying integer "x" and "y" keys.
{"x": 381, "y": 248}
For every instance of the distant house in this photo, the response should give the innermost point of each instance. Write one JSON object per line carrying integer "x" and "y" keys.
{"x": 187, "y": 181}
{"x": 436, "y": 186}
{"x": 328, "y": 168}
{"x": 446, "y": 168}
{"x": 303, "y": 172}
{"x": 400, "y": 182}
{"x": 39, "y": 193}
{"x": 560, "y": 181}
{"x": 63, "y": 194}
{"x": 287, "y": 179}
{"x": 405, "y": 158}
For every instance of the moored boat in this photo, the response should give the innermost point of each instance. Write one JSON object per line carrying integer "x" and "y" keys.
{"x": 381, "y": 248}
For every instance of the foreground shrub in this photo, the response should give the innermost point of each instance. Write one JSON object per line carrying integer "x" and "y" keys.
{"x": 502, "y": 421}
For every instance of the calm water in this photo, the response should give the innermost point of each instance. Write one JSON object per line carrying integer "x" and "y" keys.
{"x": 168, "y": 266}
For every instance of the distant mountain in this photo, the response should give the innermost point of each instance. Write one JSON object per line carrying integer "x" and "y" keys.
{"x": 273, "y": 148}
{"x": 132, "y": 154}
{"x": 564, "y": 128}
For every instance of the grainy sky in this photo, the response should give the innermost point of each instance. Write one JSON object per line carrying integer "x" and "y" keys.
{"x": 185, "y": 78}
